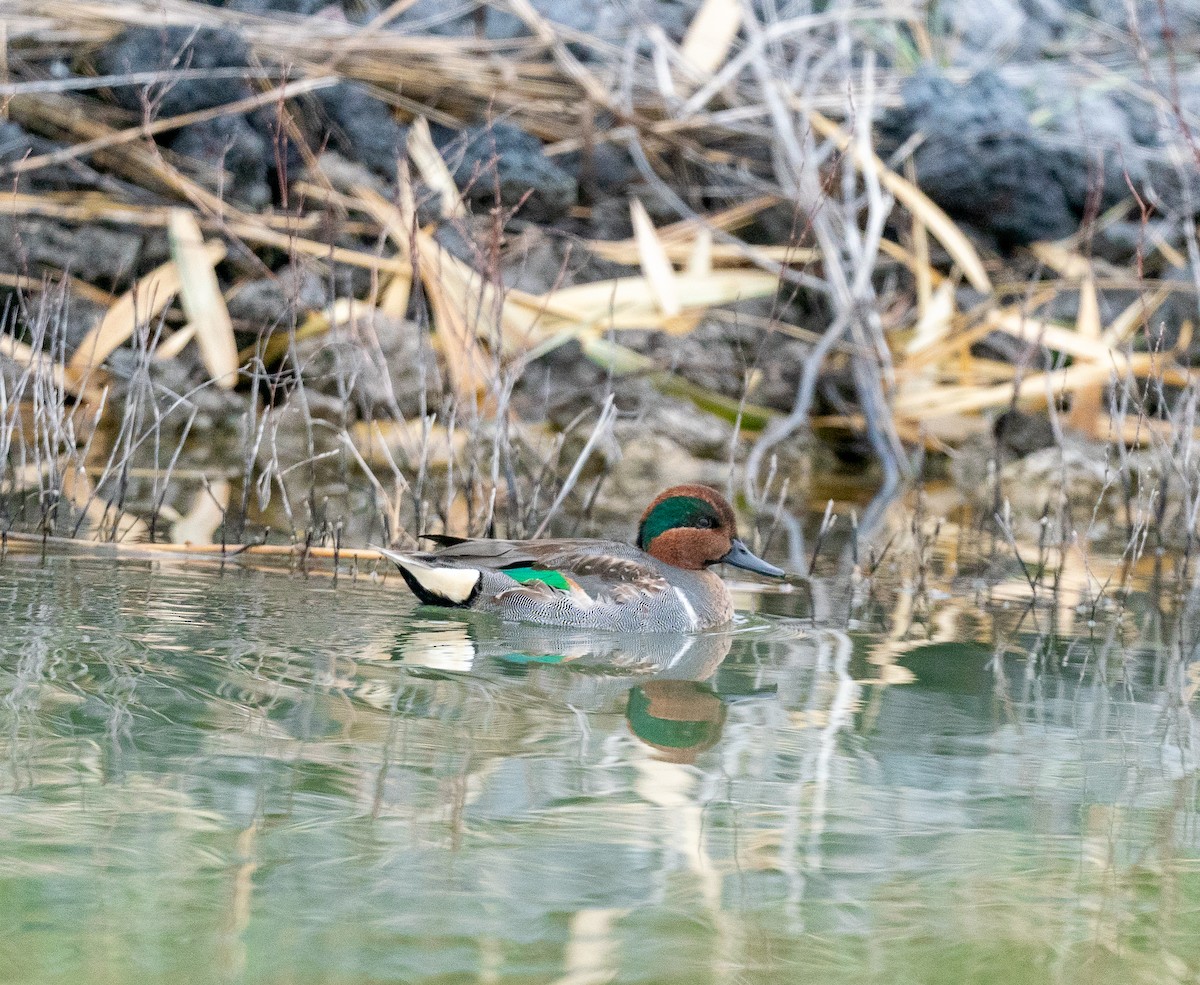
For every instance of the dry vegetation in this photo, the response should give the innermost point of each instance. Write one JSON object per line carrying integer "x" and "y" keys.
{"x": 740, "y": 118}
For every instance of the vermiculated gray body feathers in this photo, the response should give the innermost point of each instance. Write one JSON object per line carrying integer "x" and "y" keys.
{"x": 613, "y": 586}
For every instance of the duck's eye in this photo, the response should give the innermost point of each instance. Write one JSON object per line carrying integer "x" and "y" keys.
{"x": 705, "y": 523}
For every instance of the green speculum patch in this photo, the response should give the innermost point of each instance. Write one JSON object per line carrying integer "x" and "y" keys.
{"x": 678, "y": 511}
{"x": 555, "y": 579}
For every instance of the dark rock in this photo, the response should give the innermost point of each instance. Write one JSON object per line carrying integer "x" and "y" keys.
{"x": 1121, "y": 242}
{"x": 61, "y": 320}
{"x": 1166, "y": 326}
{"x": 981, "y": 159}
{"x": 363, "y": 127}
{"x": 230, "y": 144}
{"x": 610, "y": 218}
{"x": 301, "y": 8}
{"x": 465, "y": 239}
{"x": 1089, "y": 141}
{"x": 482, "y": 157}
{"x": 147, "y": 49}
{"x": 169, "y": 379}
{"x": 286, "y": 297}
{"x": 17, "y": 144}
{"x": 607, "y": 170}
{"x": 1173, "y": 188}
{"x": 92, "y": 252}
{"x": 1018, "y": 433}
{"x": 283, "y": 154}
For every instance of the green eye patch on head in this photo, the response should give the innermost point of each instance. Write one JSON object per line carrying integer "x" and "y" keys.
{"x": 678, "y": 511}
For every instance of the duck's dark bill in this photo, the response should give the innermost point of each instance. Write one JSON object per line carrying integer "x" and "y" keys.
{"x": 740, "y": 557}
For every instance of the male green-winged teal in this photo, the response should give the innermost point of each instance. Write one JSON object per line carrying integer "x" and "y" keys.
{"x": 662, "y": 585}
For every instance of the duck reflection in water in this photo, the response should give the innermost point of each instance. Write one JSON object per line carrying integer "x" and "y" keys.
{"x": 677, "y": 719}
{"x": 670, "y": 703}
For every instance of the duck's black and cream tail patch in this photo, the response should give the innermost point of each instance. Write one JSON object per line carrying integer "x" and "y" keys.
{"x": 437, "y": 585}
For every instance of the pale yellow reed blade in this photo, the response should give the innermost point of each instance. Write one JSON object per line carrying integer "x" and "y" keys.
{"x": 1139, "y": 313}
{"x": 1087, "y": 401}
{"x": 136, "y": 307}
{"x": 656, "y": 268}
{"x": 202, "y": 300}
{"x": 423, "y": 153}
{"x": 711, "y": 34}
{"x": 207, "y": 513}
{"x": 700, "y": 261}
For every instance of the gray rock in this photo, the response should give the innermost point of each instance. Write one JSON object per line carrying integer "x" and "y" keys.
{"x": 718, "y": 356}
{"x": 1089, "y": 140}
{"x": 364, "y": 128}
{"x": 501, "y": 154}
{"x": 538, "y": 261}
{"x": 981, "y": 159}
{"x": 607, "y": 170}
{"x": 379, "y": 364}
{"x": 101, "y": 254}
{"x": 148, "y": 49}
{"x": 287, "y": 296}
{"x": 1182, "y": 16}
{"x": 170, "y": 379}
{"x": 609, "y": 22}
{"x": 301, "y": 8}
{"x": 610, "y": 218}
{"x": 700, "y": 434}
{"x": 17, "y": 144}
{"x": 230, "y": 144}
{"x": 60, "y": 320}
{"x": 1020, "y": 29}
{"x": 1120, "y": 242}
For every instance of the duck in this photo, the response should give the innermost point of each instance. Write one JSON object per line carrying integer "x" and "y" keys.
{"x": 662, "y": 583}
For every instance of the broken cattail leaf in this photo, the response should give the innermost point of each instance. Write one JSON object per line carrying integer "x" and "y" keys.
{"x": 174, "y": 344}
{"x": 1062, "y": 260}
{"x": 632, "y": 298}
{"x": 1086, "y": 402}
{"x": 656, "y": 267}
{"x": 711, "y": 34}
{"x": 1034, "y": 390}
{"x": 394, "y": 299}
{"x": 1054, "y": 337}
{"x": 1138, "y": 314}
{"x": 135, "y": 307}
{"x": 423, "y": 153}
{"x": 202, "y": 300}
{"x": 700, "y": 260}
{"x": 201, "y": 522}
{"x": 936, "y": 321}
{"x": 680, "y": 251}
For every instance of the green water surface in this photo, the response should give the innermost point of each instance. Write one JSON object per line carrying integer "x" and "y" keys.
{"x": 231, "y": 776}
